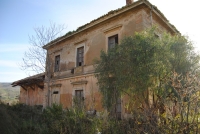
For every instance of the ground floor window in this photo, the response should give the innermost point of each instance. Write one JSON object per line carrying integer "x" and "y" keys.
{"x": 79, "y": 98}
{"x": 55, "y": 97}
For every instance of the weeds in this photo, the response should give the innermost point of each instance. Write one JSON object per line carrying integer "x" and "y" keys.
{"x": 22, "y": 119}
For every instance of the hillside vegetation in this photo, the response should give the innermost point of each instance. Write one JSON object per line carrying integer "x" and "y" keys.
{"x": 9, "y": 94}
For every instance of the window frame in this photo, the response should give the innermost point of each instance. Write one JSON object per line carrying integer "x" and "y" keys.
{"x": 116, "y": 38}
{"x": 57, "y": 63}
{"x": 80, "y": 56}
{"x": 76, "y": 51}
{"x": 80, "y": 99}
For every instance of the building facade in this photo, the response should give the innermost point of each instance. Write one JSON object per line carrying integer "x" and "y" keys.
{"x": 71, "y": 57}
{"x": 70, "y": 75}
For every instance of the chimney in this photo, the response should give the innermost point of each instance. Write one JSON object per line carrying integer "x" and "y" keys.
{"x": 128, "y": 2}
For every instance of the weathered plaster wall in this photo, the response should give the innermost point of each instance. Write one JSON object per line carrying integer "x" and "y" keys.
{"x": 94, "y": 40}
{"x": 155, "y": 20}
{"x": 31, "y": 97}
{"x": 67, "y": 89}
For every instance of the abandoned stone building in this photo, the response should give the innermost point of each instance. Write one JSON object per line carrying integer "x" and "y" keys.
{"x": 70, "y": 69}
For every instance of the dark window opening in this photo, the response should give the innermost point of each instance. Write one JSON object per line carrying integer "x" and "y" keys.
{"x": 55, "y": 92}
{"x": 57, "y": 63}
{"x": 112, "y": 41}
{"x": 80, "y": 56}
{"x": 72, "y": 71}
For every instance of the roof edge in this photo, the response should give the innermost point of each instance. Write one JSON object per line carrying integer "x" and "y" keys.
{"x": 108, "y": 16}
{"x": 94, "y": 22}
{"x": 16, "y": 83}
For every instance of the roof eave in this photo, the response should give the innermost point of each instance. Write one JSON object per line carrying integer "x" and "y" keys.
{"x": 121, "y": 10}
{"x": 94, "y": 23}
{"x": 161, "y": 16}
{"x": 37, "y": 77}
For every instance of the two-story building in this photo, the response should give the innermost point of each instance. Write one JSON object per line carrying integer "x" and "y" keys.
{"x": 69, "y": 76}
{"x": 70, "y": 57}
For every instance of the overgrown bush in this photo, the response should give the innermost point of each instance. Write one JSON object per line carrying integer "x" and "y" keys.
{"x": 69, "y": 121}
{"x": 159, "y": 76}
{"x": 25, "y": 119}
{"x": 21, "y": 119}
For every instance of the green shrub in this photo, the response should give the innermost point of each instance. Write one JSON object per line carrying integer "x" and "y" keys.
{"x": 69, "y": 121}
{"x": 22, "y": 119}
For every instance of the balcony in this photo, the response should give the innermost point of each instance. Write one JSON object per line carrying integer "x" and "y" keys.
{"x": 74, "y": 72}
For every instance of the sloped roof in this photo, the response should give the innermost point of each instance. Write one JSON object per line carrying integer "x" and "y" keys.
{"x": 109, "y": 15}
{"x": 35, "y": 79}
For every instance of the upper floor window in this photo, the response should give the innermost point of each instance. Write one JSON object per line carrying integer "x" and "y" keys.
{"x": 80, "y": 56}
{"x": 57, "y": 63}
{"x": 112, "y": 41}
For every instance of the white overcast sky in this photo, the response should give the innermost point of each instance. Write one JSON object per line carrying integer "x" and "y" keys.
{"x": 18, "y": 17}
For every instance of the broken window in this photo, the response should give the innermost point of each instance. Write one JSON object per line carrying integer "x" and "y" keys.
{"x": 57, "y": 63}
{"x": 80, "y": 56}
{"x": 112, "y": 41}
{"x": 79, "y": 99}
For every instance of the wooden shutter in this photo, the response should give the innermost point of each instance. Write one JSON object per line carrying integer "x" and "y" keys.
{"x": 57, "y": 63}
{"x": 80, "y": 57}
{"x": 112, "y": 41}
{"x": 55, "y": 97}
{"x": 79, "y": 97}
